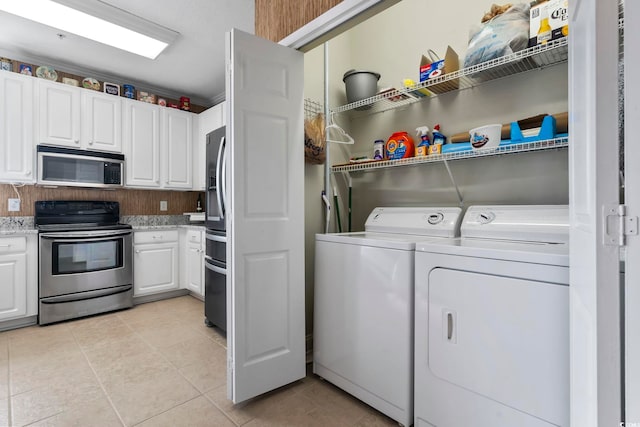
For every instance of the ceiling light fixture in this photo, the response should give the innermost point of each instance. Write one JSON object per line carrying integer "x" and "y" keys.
{"x": 97, "y": 21}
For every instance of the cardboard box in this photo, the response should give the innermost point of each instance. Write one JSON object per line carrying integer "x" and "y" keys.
{"x": 557, "y": 13}
{"x": 430, "y": 69}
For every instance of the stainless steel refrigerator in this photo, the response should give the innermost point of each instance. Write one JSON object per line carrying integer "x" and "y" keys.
{"x": 215, "y": 282}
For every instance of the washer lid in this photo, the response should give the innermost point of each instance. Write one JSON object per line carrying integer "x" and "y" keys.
{"x": 532, "y": 223}
{"x": 403, "y": 242}
{"x": 424, "y": 221}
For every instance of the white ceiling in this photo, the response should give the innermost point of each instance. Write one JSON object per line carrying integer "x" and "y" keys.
{"x": 192, "y": 66}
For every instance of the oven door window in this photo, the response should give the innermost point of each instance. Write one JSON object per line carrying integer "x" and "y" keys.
{"x": 83, "y": 257}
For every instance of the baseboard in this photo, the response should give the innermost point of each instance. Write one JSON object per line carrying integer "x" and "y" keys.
{"x": 18, "y": 323}
{"x": 160, "y": 296}
{"x": 196, "y": 296}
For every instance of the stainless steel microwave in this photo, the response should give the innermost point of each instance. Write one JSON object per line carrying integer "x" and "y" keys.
{"x": 79, "y": 168}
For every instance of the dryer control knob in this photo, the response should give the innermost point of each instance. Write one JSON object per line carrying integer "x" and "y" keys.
{"x": 486, "y": 217}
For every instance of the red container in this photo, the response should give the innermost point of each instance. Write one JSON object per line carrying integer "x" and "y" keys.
{"x": 185, "y": 103}
{"x": 400, "y": 146}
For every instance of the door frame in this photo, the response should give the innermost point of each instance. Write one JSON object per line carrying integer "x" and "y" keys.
{"x": 334, "y": 21}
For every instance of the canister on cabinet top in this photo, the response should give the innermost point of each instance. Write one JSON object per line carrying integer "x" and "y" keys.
{"x": 129, "y": 91}
{"x": 6, "y": 64}
{"x": 378, "y": 149}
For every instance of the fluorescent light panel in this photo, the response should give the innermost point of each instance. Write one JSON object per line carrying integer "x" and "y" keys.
{"x": 67, "y": 19}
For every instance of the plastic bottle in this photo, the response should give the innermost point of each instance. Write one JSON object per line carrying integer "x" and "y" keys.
{"x": 378, "y": 149}
{"x": 438, "y": 138}
{"x": 423, "y": 148}
{"x": 400, "y": 146}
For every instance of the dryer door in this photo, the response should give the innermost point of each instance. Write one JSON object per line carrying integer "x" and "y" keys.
{"x": 503, "y": 338}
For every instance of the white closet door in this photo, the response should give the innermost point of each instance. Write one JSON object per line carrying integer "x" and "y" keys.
{"x": 595, "y": 289}
{"x": 632, "y": 201}
{"x": 265, "y": 216}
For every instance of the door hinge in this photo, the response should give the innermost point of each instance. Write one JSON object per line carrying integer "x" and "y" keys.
{"x": 618, "y": 225}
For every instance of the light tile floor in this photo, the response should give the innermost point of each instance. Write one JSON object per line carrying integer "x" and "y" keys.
{"x": 154, "y": 365}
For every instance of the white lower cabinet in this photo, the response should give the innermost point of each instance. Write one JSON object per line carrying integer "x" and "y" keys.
{"x": 18, "y": 270}
{"x": 155, "y": 261}
{"x": 192, "y": 261}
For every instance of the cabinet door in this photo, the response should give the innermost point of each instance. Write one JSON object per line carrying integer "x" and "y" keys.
{"x": 156, "y": 268}
{"x": 59, "y": 114}
{"x": 195, "y": 268}
{"x": 177, "y": 148}
{"x": 101, "y": 121}
{"x": 16, "y": 128}
{"x": 142, "y": 144}
{"x": 13, "y": 286}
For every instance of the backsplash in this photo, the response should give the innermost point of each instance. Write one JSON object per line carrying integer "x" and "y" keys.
{"x": 132, "y": 202}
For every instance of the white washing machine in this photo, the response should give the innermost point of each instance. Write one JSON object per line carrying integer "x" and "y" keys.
{"x": 363, "y": 305}
{"x": 492, "y": 321}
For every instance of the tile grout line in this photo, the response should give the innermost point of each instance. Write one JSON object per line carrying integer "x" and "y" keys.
{"x": 170, "y": 364}
{"x": 9, "y": 399}
{"x": 203, "y": 394}
{"x": 225, "y": 412}
{"x": 95, "y": 374}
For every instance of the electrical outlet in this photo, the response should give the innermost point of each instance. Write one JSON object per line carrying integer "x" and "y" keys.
{"x": 14, "y": 205}
{"x": 163, "y": 205}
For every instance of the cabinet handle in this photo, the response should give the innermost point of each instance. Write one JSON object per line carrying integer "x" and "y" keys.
{"x": 5, "y": 246}
{"x": 77, "y": 141}
{"x": 90, "y": 142}
{"x": 28, "y": 173}
{"x": 137, "y": 251}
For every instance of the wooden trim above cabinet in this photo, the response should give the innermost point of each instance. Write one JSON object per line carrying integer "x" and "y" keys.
{"x": 276, "y": 19}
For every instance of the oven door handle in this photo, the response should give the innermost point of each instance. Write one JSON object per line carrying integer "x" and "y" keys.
{"x": 86, "y": 295}
{"x": 215, "y": 268}
{"x": 91, "y": 235}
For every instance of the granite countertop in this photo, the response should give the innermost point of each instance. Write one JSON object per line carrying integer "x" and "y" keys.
{"x": 17, "y": 225}
{"x": 12, "y": 231}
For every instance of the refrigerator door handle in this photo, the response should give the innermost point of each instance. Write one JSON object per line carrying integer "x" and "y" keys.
{"x": 224, "y": 175}
{"x": 215, "y": 268}
{"x": 219, "y": 168}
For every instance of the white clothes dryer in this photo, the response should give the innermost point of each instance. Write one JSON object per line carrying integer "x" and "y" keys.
{"x": 492, "y": 321}
{"x": 363, "y": 305}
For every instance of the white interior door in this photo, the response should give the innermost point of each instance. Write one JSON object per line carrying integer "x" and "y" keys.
{"x": 593, "y": 163}
{"x": 632, "y": 201}
{"x": 265, "y": 216}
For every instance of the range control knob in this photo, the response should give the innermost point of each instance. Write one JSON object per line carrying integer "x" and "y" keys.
{"x": 486, "y": 217}
{"x": 435, "y": 218}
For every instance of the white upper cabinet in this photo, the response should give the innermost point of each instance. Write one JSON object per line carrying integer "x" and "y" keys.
{"x": 141, "y": 141}
{"x": 59, "y": 114}
{"x": 177, "y": 148}
{"x": 208, "y": 120}
{"x": 16, "y": 128}
{"x": 101, "y": 121}
{"x": 79, "y": 118}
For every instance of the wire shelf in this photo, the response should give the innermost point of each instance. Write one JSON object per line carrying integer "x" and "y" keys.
{"x": 312, "y": 108}
{"x": 554, "y": 52}
{"x": 435, "y": 158}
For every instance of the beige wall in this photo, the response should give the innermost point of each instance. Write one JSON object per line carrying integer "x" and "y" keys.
{"x": 392, "y": 43}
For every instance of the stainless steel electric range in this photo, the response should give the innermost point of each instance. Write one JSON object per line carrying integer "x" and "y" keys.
{"x": 85, "y": 259}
